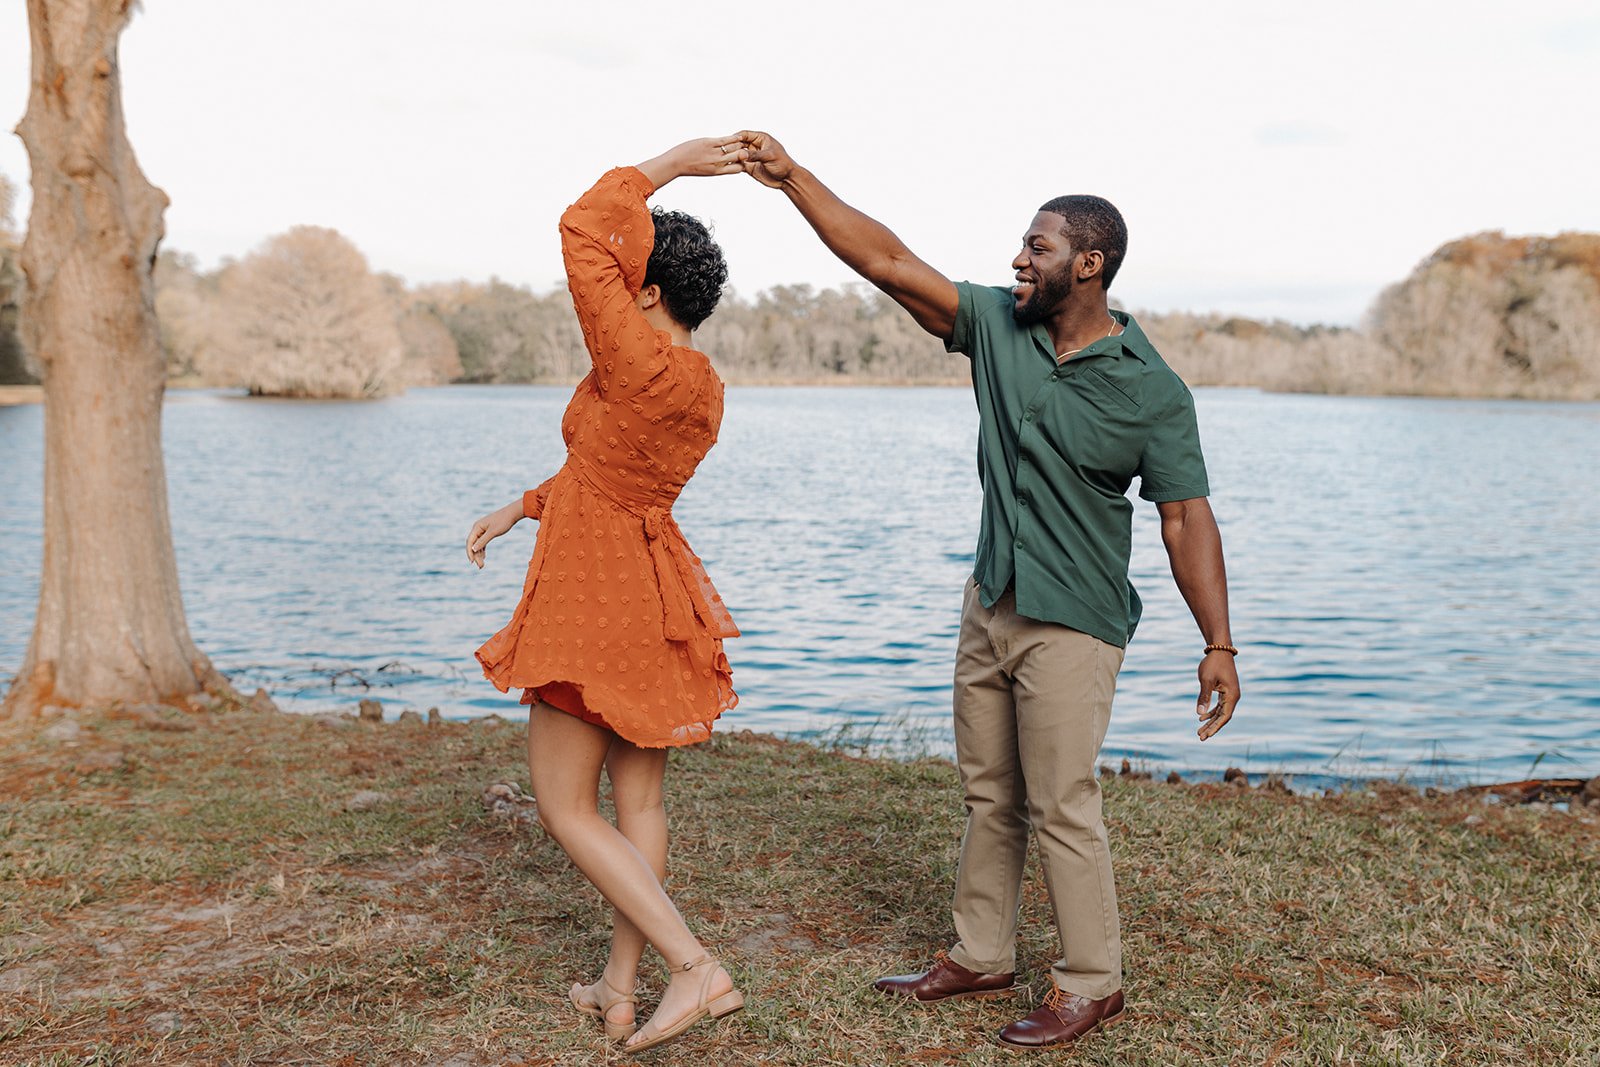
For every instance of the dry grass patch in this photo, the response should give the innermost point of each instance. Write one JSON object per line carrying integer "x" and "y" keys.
{"x": 204, "y": 897}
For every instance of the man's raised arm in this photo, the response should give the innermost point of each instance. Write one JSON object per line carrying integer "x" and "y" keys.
{"x": 867, "y": 246}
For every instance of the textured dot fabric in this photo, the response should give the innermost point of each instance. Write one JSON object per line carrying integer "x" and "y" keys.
{"x": 619, "y": 622}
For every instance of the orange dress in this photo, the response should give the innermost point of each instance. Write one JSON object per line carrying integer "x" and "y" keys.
{"x": 618, "y": 621}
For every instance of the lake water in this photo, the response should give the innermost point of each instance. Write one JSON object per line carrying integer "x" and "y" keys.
{"x": 1413, "y": 581}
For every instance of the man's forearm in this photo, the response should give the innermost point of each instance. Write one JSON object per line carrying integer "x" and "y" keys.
{"x": 871, "y": 249}
{"x": 1194, "y": 547}
{"x": 866, "y": 245}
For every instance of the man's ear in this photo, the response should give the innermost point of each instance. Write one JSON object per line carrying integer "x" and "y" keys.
{"x": 648, "y": 297}
{"x": 1090, "y": 265}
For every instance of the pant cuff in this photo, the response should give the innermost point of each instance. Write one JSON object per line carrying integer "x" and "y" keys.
{"x": 963, "y": 958}
{"x": 1093, "y": 988}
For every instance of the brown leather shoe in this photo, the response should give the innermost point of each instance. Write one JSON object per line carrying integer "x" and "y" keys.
{"x": 946, "y": 980}
{"x": 1063, "y": 1017}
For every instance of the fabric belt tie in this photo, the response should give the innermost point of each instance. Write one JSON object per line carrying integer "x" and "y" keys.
{"x": 681, "y": 596}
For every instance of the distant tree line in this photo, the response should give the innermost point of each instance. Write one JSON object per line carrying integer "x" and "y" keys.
{"x": 1486, "y": 315}
{"x": 13, "y": 366}
{"x": 304, "y": 315}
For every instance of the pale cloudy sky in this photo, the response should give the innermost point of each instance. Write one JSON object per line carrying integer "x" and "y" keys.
{"x": 1273, "y": 159}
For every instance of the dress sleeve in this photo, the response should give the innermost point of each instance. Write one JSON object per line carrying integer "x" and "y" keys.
{"x": 533, "y": 500}
{"x": 606, "y": 238}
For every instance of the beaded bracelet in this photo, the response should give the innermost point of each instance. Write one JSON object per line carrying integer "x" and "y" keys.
{"x": 1229, "y": 649}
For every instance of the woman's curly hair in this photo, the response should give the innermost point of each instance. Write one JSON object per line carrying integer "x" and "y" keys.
{"x": 688, "y": 266}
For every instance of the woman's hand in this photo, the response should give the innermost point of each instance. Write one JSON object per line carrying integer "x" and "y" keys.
{"x": 702, "y": 158}
{"x": 489, "y": 527}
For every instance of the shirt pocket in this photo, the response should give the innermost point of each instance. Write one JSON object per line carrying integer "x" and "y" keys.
{"x": 1102, "y": 383}
{"x": 1102, "y": 430}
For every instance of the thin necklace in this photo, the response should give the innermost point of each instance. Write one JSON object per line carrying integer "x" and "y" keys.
{"x": 1072, "y": 352}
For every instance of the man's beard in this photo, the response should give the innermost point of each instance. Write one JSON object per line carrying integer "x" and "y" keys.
{"x": 1050, "y": 290}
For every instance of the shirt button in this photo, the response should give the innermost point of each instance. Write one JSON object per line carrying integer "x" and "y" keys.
{"x": 1028, "y": 417}
{"x": 1019, "y": 542}
{"x": 1022, "y": 501}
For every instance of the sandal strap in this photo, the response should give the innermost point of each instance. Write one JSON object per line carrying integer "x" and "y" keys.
{"x": 694, "y": 963}
{"x": 707, "y": 974}
{"x": 611, "y": 996}
{"x": 703, "y": 997}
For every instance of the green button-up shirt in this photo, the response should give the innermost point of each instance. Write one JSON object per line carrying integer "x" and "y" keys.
{"x": 1058, "y": 447}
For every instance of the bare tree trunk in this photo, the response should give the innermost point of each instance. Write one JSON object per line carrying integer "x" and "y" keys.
{"x": 110, "y": 625}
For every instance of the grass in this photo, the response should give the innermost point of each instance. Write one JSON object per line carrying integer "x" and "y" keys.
{"x": 203, "y": 897}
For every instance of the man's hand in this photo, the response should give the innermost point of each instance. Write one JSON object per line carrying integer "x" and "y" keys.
{"x": 1217, "y": 676}
{"x": 489, "y": 527}
{"x": 704, "y": 157}
{"x": 767, "y": 161}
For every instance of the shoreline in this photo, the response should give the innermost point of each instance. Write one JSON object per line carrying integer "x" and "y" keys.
{"x": 734, "y": 382}
{"x": 12, "y": 395}
{"x": 893, "y": 740}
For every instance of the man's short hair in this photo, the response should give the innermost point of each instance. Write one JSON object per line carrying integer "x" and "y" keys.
{"x": 1093, "y": 224}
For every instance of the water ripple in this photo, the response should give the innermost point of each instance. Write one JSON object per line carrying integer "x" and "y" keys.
{"x": 1412, "y": 581}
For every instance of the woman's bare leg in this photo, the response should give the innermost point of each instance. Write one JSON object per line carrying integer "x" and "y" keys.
{"x": 636, "y": 775}
{"x": 565, "y": 756}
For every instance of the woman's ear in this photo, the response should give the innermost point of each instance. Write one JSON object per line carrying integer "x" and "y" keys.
{"x": 648, "y": 297}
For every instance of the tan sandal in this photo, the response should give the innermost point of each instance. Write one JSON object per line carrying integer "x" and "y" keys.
{"x": 716, "y": 1008}
{"x": 608, "y": 998}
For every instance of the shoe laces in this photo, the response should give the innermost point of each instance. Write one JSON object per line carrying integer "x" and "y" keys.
{"x": 1055, "y": 998}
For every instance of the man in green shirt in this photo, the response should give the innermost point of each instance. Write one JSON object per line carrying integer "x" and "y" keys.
{"x": 1073, "y": 403}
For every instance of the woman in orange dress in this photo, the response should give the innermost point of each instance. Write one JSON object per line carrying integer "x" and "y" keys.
{"x": 617, "y": 640}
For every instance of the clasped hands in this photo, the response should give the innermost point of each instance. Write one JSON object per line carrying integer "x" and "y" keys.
{"x": 749, "y": 151}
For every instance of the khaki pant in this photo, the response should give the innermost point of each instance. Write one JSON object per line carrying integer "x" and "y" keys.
{"x": 1032, "y": 702}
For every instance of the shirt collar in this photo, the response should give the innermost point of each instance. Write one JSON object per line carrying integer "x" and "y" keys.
{"x": 1131, "y": 340}
{"x": 1134, "y": 342}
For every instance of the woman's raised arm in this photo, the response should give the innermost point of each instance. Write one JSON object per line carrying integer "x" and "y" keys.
{"x": 606, "y": 238}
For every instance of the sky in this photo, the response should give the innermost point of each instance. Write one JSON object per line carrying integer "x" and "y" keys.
{"x": 1272, "y": 159}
